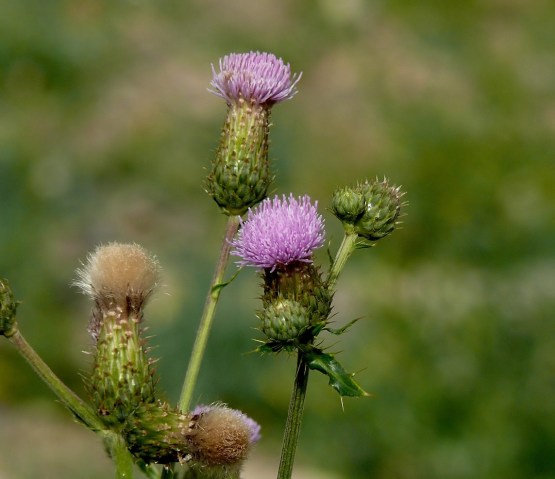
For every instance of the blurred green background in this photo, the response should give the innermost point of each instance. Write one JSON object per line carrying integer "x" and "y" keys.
{"x": 106, "y": 131}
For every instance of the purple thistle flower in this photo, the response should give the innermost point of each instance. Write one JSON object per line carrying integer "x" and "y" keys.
{"x": 260, "y": 78}
{"x": 279, "y": 231}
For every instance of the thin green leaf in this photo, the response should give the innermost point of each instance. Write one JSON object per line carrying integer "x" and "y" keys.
{"x": 219, "y": 286}
{"x": 340, "y": 331}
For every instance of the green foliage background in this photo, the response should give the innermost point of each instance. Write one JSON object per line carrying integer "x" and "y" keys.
{"x": 106, "y": 131}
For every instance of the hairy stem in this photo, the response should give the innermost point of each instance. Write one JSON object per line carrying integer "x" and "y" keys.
{"x": 207, "y": 316}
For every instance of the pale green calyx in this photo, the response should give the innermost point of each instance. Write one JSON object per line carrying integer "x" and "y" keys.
{"x": 296, "y": 306}
{"x": 240, "y": 174}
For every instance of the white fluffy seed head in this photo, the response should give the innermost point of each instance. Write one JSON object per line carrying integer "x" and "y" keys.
{"x": 118, "y": 272}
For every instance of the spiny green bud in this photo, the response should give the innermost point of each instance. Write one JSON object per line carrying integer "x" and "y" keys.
{"x": 8, "y": 307}
{"x": 119, "y": 278}
{"x": 348, "y": 204}
{"x": 295, "y": 291}
{"x": 156, "y": 433}
{"x": 369, "y": 209}
{"x": 284, "y": 320}
{"x": 383, "y": 205}
{"x": 240, "y": 174}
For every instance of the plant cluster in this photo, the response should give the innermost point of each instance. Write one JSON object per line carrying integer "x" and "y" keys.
{"x": 277, "y": 237}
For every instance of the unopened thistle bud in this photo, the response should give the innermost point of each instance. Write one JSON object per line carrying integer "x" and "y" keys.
{"x": 119, "y": 278}
{"x": 156, "y": 433}
{"x": 220, "y": 439}
{"x": 348, "y": 205}
{"x": 8, "y": 307}
{"x": 383, "y": 205}
{"x": 369, "y": 209}
{"x": 279, "y": 237}
{"x": 284, "y": 320}
{"x": 250, "y": 83}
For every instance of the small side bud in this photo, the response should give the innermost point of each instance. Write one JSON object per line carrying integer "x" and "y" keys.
{"x": 348, "y": 205}
{"x": 383, "y": 206}
{"x": 369, "y": 209}
{"x": 221, "y": 438}
{"x": 8, "y": 307}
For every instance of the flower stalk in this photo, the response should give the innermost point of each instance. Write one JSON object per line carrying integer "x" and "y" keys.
{"x": 294, "y": 419}
{"x": 348, "y": 245}
{"x": 208, "y": 313}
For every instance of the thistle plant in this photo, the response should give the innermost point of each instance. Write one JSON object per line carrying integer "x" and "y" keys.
{"x": 251, "y": 84}
{"x": 275, "y": 236}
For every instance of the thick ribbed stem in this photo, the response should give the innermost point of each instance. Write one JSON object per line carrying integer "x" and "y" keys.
{"x": 294, "y": 419}
{"x": 207, "y": 316}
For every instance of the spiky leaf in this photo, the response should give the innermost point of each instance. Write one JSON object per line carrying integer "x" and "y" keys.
{"x": 339, "y": 379}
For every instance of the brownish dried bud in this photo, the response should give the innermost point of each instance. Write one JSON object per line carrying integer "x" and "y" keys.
{"x": 221, "y": 437}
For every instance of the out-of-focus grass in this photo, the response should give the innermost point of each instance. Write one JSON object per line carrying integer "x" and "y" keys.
{"x": 106, "y": 129}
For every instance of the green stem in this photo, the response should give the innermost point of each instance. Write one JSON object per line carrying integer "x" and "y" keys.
{"x": 120, "y": 455}
{"x": 294, "y": 419}
{"x": 207, "y": 316}
{"x": 348, "y": 245}
{"x": 70, "y": 400}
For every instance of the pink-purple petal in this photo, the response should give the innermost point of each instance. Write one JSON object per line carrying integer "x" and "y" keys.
{"x": 279, "y": 231}
{"x": 256, "y": 77}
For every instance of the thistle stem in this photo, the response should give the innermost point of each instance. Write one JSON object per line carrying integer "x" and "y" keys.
{"x": 120, "y": 455}
{"x": 207, "y": 316}
{"x": 294, "y": 419}
{"x": 70, "y": 400}
{"x": 348, "y": 245}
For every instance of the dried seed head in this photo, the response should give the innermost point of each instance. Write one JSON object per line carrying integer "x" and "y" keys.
{"x": 118, "y": 273}
{"x": 221, "y": 436}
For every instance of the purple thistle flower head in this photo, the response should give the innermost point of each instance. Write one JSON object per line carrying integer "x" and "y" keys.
{"x": 279, "y": 231}
{"x": 256, "y": 77}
